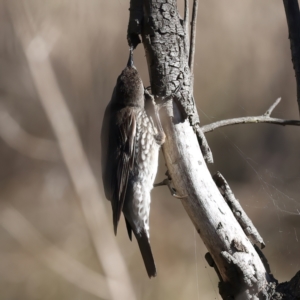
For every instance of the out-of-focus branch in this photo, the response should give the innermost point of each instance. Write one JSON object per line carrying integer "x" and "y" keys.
{"x": 265, "y": 118}
{"x": 51, "y": 256}
{"x": 195, "y": 121}
{"x": 293, "y": 20}
{"x": 81, "y": 174}
{"x": 17, "y": 138}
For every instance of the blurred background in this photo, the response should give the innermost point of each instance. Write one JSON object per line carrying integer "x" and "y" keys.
{"x": 243, "y": 64}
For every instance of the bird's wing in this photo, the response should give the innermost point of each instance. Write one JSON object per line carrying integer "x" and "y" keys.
{"x": 125, "y": 156}
{"x": 107, "y": 161}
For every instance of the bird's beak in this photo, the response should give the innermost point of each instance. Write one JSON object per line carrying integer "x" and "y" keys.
{"x": 130, "y": 59}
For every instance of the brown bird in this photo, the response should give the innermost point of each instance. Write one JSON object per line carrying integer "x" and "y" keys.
{"x": 130, "y": 140}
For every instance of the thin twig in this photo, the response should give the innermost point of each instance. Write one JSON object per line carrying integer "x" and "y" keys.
{"x": 272, "y": 107}
{"x": 265, "y": 118}
{"x": 193, "y": 36}
{"x": 249, "y": 120}
{"x": 186, "y": 14}
{"x": 51, "y": 256}
{"x": 205, "y": 149}
{"x": 204, "y": 203}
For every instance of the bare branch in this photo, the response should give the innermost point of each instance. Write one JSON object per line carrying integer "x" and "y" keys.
{"x": 193, "y": 36}
{"x": 272, "y": 107}
{"x": 51, "y": 256}
{"x": 20, "y": 140}
{"x": 265, "y": 118}
{"x": 205, "y": 149}
{"x": 186, "y": 11}
{"x": 249, "y": 120}
{"x": 238, "y": 211}
{"x": 210, "y": 214}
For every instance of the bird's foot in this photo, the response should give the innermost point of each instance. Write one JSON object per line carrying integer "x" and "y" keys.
{"x": 168, "y": 183}
{"x": 160, "y": 102}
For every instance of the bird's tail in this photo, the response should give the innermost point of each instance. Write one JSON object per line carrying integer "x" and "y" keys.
{"x": 145, "y": 249}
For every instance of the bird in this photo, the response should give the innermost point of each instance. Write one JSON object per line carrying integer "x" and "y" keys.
{"x": 131, "y": 137}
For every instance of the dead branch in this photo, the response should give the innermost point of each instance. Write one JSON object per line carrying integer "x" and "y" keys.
{"x": 265, "y": 118}
{"x": 193, "y": 36}
{"x": 194, "y": 120}
{"x": 229, "y": 247}
{"x": 186, "y": 26}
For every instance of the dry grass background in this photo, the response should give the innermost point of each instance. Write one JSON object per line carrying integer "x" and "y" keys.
{"x": 242, "y": 65}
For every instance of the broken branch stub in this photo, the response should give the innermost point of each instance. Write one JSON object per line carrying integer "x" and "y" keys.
{"x": 238, "y": 211}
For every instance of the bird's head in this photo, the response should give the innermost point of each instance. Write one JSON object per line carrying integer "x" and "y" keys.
{"x": 129, "y": 88}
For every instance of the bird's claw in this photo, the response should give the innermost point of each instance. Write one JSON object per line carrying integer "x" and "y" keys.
{"x": 168, "y": 183}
